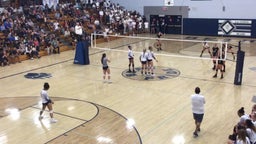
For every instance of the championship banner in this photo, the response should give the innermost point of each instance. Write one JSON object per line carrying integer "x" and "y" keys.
{"x": 235, "y": 27}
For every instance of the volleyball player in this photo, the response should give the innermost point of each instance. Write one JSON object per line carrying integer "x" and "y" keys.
{"x": 206, "y": 47}
{"x": 230, "y": 50}
{"x": 131, "y": 59}
{"x": 46, "y": 102}
{"x": 159, "y": 35}
{"x": 106, "y": 70}
{"x": 143, "y": 60}
{"x": 219, "y": 66}
{"x": 221, "y": 63}
{"x": 158, "y": 44}
{"x": 215, "y": 55}
{"x": 150, "y": 58}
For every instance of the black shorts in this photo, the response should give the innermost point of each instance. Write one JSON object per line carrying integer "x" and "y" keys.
{"x": 105, "y": 67}
{"x": 49, "y": 101}
{"x": 143, "y": 62}
{"x": 198, "y": 117}
{"x": 149, "y": 60}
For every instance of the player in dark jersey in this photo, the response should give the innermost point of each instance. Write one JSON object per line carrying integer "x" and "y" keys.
{"x": 158, "y": 44}
{"x": 220, "y": 61}
{"x": 219, "y": 66}
{"x": 215, "y": 55}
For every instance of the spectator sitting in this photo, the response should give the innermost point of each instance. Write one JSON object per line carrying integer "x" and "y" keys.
{"x": 34, "y": 52}
{"x": 28, "y": 51}
{"x": 55, "y": 46}
{"x": 3, "y": 58}
{"x": 14, "y": 55}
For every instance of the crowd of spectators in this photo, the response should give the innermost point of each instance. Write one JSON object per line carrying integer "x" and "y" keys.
{"x": 33, "y": 28}
{"x": 244, "y": 132}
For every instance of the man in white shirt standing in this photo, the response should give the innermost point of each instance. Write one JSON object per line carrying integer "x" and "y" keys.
{"x": 197, "y": 101}
{"x": 78, "y": 31}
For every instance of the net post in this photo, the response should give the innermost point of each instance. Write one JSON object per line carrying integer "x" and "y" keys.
{"x": 239, "y": 65}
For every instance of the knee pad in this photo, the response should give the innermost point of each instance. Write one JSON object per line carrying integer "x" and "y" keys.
{"x": 51, "y": 111}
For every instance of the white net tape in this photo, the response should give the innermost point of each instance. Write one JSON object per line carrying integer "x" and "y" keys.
{"x": 171, "y": 47}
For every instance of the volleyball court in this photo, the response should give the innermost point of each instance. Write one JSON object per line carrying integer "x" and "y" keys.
{"x": 184, "y": 54}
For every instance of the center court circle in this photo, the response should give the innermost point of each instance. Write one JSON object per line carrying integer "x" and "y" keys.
{"x": 160, "y": 73}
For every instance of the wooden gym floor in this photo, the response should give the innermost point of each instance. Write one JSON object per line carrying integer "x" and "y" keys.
{"x": 127, "y": 111}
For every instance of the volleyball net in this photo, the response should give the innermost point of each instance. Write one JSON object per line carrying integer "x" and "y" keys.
{"x": 172, "y": 47}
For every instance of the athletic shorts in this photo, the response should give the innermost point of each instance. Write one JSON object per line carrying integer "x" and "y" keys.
{"x": 198, "y": 117}
{"x": 144, "y": 62}
{"x": 105, "y": 67}
{"x": 49, "y": 101}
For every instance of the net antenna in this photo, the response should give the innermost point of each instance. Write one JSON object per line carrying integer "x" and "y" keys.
{"x": 184, "y": 48}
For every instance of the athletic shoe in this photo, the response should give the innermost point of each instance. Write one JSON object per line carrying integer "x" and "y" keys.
{"x": 40, "y": 117}
{"x": 215, "y": 76}
{"x": 221, "y": 77}
{"x": 53, "y": 120}
{"x": 109, "y": 81}
{"x": 195, "y": 134}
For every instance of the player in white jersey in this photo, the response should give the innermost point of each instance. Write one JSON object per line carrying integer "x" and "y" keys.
{"x": 230, "y": 50}
{"x": 131, "y": 59}
{"x": 46, "y": 102}
{"x": 150, "y": 58}
{"x": 206, "y": 47}
{"x": 143, "y": 60}
{"x": 105, "y": 68}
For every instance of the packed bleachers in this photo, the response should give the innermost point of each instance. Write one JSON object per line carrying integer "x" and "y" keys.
{"x": 38, "y": 30}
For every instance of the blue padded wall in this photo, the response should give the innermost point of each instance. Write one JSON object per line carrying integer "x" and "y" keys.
{"x": 204, "y": 27}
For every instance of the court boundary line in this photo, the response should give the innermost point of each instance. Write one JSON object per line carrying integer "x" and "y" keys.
{"x": 86, "y": 121}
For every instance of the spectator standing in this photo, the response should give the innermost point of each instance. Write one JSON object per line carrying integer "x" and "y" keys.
{"x": 197, "y": 101}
